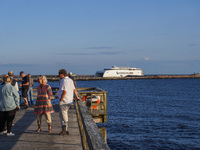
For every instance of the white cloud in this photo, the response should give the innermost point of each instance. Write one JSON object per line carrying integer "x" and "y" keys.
{"x": 146, "y": 58}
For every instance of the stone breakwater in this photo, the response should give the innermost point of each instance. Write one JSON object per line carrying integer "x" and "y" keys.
{"x": 82, "y": 78}
{"x": 91, "y": 77}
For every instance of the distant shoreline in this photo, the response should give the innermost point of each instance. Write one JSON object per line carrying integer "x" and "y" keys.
{"x": 91, "y": 77}
{"x": 138, "y": 77}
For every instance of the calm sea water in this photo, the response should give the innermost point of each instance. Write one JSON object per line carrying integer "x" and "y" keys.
{"x": 151, "y": 114}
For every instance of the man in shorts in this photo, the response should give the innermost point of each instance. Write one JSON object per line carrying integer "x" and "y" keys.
{"x": 25, "y": 87}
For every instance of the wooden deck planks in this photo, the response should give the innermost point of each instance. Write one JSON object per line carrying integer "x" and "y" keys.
{"x": 25, "y": 125}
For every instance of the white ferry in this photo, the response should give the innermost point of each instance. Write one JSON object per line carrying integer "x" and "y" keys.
{"x": 119, "y": 72}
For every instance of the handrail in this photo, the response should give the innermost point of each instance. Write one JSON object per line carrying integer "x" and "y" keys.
{"x": 91, "y": 137}
{"x": 99, "y": 109}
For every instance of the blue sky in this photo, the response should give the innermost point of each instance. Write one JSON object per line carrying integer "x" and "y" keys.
{"x": 83, "y": 36}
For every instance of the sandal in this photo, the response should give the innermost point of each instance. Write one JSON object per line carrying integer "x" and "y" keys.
{"x": 38, "y": 130}
{"x": 50, "y": 129}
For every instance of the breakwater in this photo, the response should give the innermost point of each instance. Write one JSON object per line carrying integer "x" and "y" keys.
{"x": 82, "y": 78}
{"x": 91, "y": 77}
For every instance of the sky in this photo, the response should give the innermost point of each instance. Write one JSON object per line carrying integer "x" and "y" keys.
{"x": 83, "y": 36}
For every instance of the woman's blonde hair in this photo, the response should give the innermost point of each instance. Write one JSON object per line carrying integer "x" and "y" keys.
{"x": 6, "y": 79}
{"x": 43, "y": 78}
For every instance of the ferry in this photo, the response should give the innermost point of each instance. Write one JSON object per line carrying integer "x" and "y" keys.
{"x": 119, "y": 72}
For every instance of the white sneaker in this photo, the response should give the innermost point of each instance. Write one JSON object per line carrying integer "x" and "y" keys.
{"x": 5, "y": 131}
{"x": 10, "y": 134}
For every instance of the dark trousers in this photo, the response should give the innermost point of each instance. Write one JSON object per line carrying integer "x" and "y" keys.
{"x": 7, "y": 117}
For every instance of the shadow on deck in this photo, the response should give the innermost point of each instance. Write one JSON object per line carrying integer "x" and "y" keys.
{"x": 25, "y": 125}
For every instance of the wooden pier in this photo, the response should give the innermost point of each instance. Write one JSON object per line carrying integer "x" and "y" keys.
{"x": 25, "y": 125}
{"x": 84, "y": 133}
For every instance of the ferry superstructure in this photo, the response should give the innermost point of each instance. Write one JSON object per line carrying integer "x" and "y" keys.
{"x": 119, "y": 72}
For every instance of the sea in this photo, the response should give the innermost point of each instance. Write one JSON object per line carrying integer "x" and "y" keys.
{"x": 151, "y": 114}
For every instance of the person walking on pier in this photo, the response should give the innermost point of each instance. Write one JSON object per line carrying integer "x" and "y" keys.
{"x": 65, "y": 94}
{"x": 25, "y": 87}
{"x": 43, "y": 103}
{"x": 9, "y": 104}
{"x": 30, "y": 90}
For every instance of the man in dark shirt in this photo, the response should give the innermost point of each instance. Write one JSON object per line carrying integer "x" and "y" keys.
{"x": 25, "y": 87}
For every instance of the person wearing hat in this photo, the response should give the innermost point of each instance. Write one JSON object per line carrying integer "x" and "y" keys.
{"x": 25, "y": 87}
{"x": 9, "y": 104}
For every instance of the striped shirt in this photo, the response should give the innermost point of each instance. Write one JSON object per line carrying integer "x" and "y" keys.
{"x": 43, "y": 102}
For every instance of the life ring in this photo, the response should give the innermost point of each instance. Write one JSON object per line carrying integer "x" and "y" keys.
{"x": 84, "y": 98}
{"x": 98, "y": 101}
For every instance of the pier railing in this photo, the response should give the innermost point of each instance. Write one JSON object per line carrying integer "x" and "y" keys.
{"x": 91, "y": 137}
{"x": 96, "y": 101}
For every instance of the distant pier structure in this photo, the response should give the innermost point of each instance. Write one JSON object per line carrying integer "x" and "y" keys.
{"x": 92, "y": 77}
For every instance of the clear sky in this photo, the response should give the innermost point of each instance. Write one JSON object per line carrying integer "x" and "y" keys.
{"x": 83, "y": 36}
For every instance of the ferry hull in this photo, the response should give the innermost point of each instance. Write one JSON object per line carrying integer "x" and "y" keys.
{"x": 122, "y": 73}
{"x": 119, "y": 72}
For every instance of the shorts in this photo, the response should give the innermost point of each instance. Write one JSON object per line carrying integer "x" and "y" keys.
{"x": 25, "y": 92}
